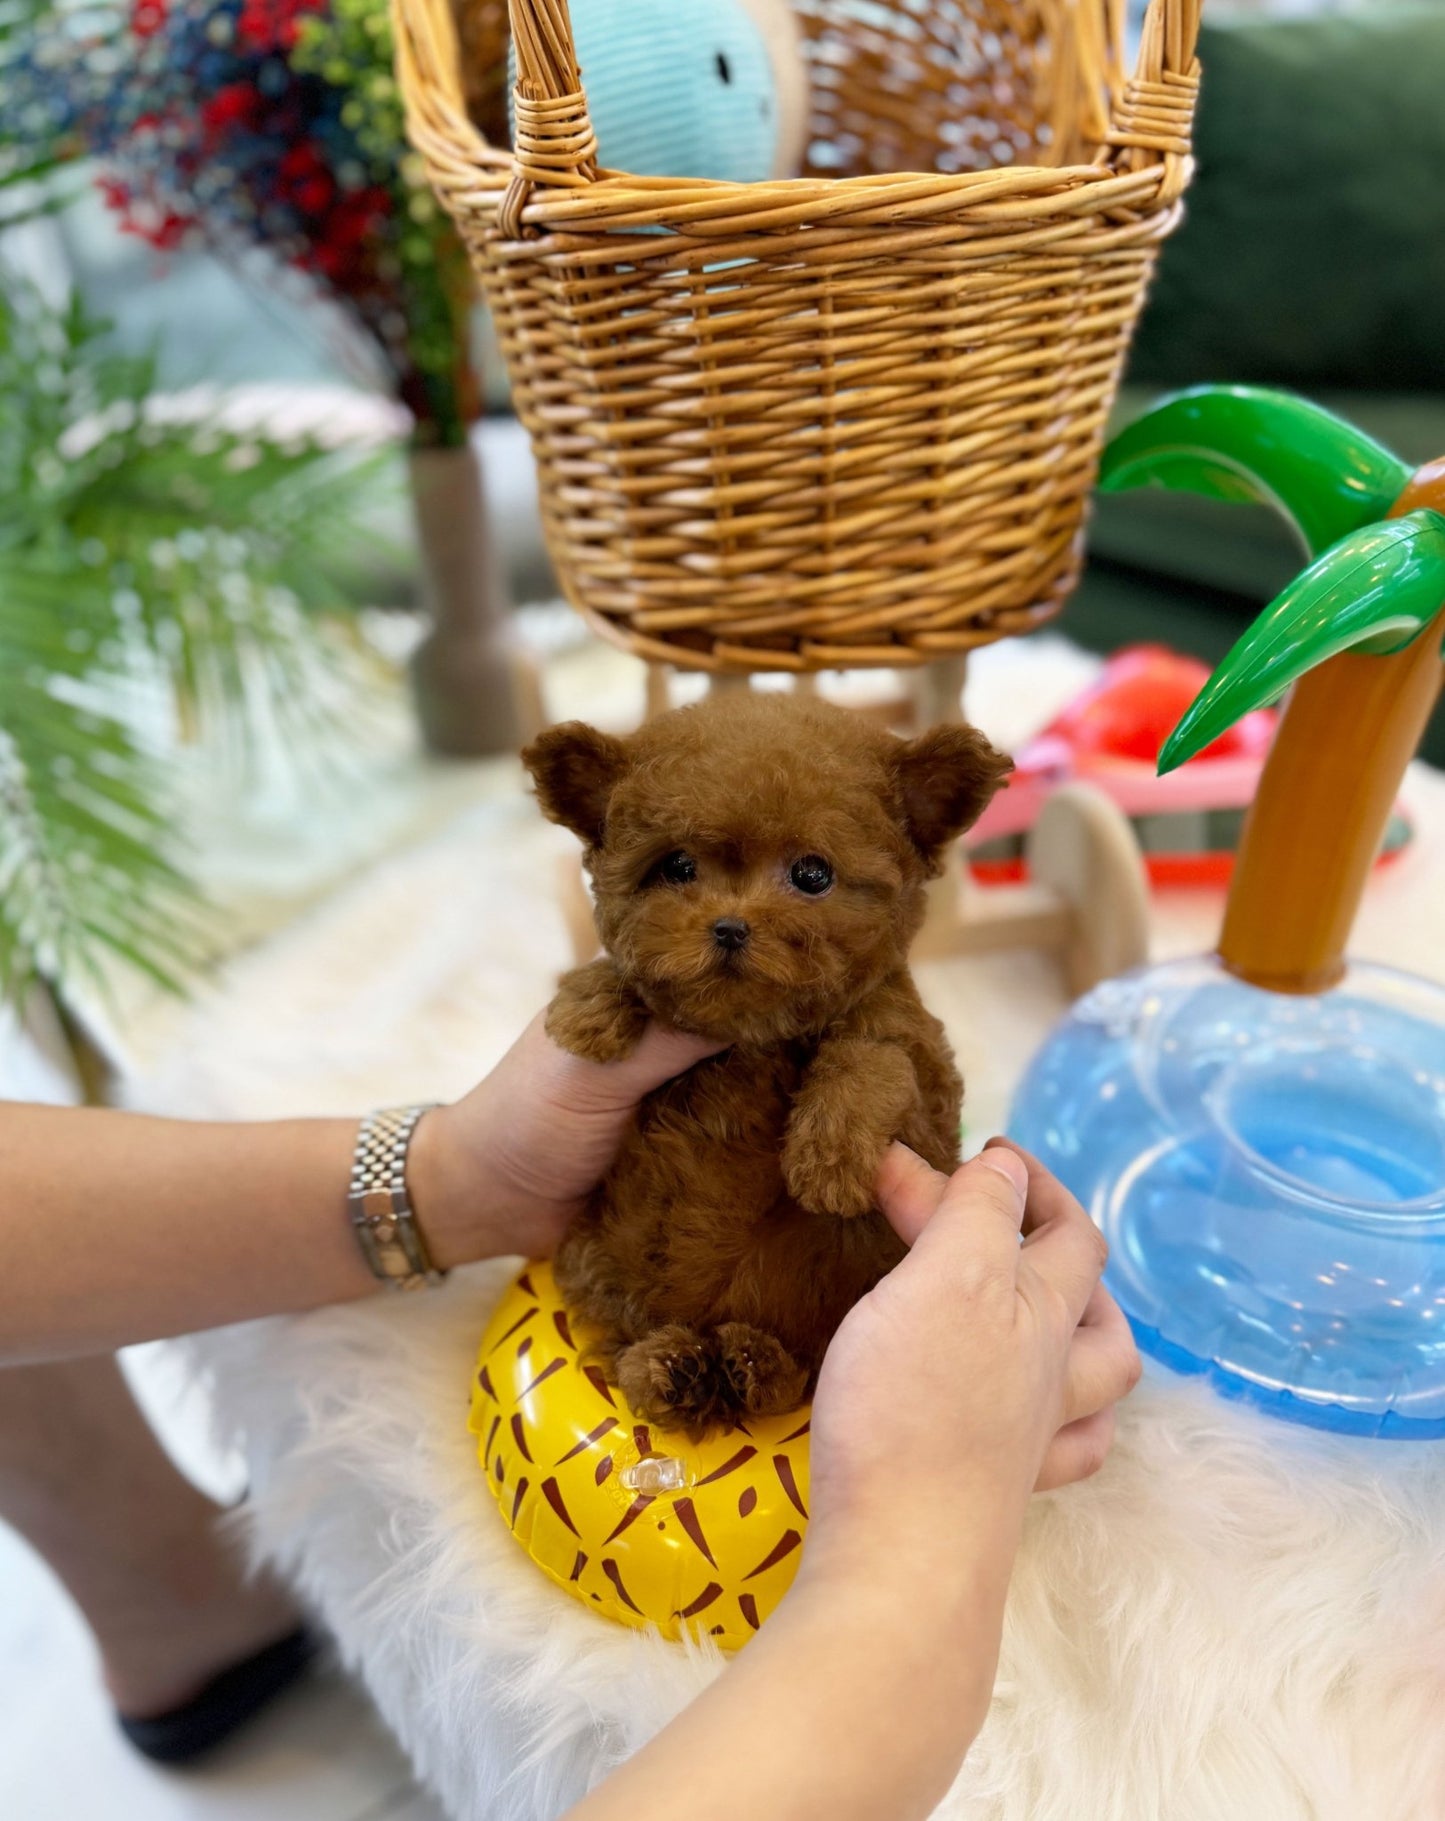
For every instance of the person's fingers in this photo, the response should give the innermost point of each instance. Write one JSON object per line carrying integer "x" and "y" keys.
{"x": 1078, "y": 1450}
{"x": 980, "y": 1212}
{"x": 1061, "y": 1243}
{"x": 909, "y": 1191}
{"x": 1103, "y": 1363}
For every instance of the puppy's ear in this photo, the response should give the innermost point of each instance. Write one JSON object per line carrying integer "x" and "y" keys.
{"x": 576, "y": 769}
{"x": 946, "y": 778}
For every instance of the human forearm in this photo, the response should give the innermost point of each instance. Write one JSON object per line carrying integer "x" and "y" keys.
{"x": 116, "y": 1228}
{"x": 857, "y": 1701}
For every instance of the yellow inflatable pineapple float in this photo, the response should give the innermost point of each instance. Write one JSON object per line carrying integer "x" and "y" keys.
{"x": 647, "y": 1530}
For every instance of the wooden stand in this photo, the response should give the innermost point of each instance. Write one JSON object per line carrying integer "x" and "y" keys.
{"x": 1086, "y": 900}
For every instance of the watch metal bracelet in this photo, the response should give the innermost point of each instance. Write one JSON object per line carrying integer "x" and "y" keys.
{"x": 380, "y": 1210}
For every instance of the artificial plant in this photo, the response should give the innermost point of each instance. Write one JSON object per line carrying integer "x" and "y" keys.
{"x": 275, "y": 127}
{"x": 271, "y": 124}
{"x": 1358, "y": 634}
{"x": 154, "y": 574}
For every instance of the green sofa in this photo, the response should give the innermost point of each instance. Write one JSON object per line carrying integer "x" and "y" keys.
{"x": 1312, "y": 256}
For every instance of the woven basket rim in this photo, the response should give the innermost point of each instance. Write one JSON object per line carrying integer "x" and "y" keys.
{"x": 706, "y": 208}
{"x": 611, "y": 183}
{"x": 1150, "y": 143}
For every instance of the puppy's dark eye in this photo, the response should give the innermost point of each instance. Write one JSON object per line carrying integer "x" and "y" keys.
{"x": 812, "y": 874}
{"x": 677, "y": 868}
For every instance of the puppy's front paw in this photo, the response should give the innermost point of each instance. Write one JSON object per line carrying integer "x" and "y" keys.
{"x": 595, "y": 1014}
{"x": 828, "y": 1167}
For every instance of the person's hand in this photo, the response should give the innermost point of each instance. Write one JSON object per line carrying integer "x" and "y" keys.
{"x": 507, "y": 1167}
{"x": 976, "y": 1372}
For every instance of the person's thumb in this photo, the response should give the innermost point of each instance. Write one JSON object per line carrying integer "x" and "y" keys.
{"x": 909, "y": 1191}
{"x": 661, "y": 1053}
{"x": 983, "y": 1204}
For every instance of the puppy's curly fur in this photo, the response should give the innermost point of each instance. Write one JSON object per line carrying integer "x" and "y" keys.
{"x": 758, "y": 865}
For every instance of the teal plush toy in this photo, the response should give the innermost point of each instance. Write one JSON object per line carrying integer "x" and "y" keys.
{"x": 693, "y": 88}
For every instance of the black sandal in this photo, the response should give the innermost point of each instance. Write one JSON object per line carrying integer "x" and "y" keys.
{"x": 225, "y": 1704}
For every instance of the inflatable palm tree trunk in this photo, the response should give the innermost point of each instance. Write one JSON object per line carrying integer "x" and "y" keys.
{"x": 1261, "y": 1132}
{"x": 1358, "y": 634}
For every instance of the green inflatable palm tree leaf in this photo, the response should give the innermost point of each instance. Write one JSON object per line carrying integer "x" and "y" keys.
{"x": 1374, "y": 591}
{"x": 1246, "y": 443}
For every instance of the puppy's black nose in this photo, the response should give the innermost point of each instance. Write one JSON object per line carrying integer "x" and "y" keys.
{"x": 730, "y": 932}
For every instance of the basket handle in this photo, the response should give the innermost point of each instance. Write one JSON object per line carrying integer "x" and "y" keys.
{"x": 1153, "y": 119}
{"x": 552, "y": 141}
{"x": 555, "y": 143}
{"x": 429, "y": 72}
{"x": 1150, "y": 120}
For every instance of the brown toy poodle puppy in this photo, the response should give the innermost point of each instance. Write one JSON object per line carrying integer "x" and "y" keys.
{"x": 758, "y": 865}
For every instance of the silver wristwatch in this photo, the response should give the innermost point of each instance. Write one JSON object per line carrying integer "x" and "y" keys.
{"x": 380, "y": 1211}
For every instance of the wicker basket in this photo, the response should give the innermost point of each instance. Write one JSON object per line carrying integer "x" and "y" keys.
{"x": 851, "y": 418}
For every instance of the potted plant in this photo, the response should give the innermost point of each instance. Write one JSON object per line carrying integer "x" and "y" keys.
{"x": 276, "y": 126}
{"x": 156, "y": 574}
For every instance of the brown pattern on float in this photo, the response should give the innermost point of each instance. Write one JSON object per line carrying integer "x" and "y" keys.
{"x": 785, "y": 1545}
{"x": 614, "y": 1574}
{"x": 564, "y": 1328}
{"x": 541, "y": 1378}
{"x": 798, "y": 1434}
{"x": 597, "y": 1379}
{"x": 517, "y": 1498}
{"x": 592, "y": 1436}
{"x": 484, "y": 1379}
{"x": 731, "y": 1465}
{"x": 747, "y": 1501}
{"x": 552, "y": 1492}
{"x": 524, "y": 1282}
{"x": 520, "y": 1438}
{"x": 688, "y": 1518}
{"x": 748, "y": 1607}
{"x": 520, "y": 1322}
{"x": 783, "y": 1467}
{"x": 578, "y": 1565}
{"x": 713, "y": 1591}
{"x": 492, "y": 1434}
{"x": 629, "y": 1517}
{"x": 604, "y": 1467}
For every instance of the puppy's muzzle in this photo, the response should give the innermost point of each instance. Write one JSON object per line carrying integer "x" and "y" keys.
{"x": 730, "y": 934}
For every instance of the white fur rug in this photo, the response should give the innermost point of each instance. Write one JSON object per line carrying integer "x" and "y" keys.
{"x": 1237, "y": 1621}
{"x": 1233, "y": 1622}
